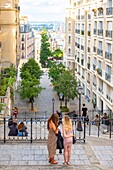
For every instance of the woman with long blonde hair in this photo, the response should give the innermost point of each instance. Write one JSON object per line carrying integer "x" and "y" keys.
{"x": 67, "y": 135}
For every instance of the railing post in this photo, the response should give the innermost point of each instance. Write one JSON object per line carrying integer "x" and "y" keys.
{"x": 31, "y": 130}
{"x": 4, "y": 130}
{"x": 99, "y": 125}
{"x": 84, "y": 131}
{"x": 110, "y": 124}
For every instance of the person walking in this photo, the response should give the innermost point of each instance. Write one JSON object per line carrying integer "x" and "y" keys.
{"x": 52, "y": 126}
{"x": 67, "y": 135}
{"x": 85, "y": 113}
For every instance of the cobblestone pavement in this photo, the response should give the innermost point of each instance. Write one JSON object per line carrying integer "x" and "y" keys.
{"x": 44, "y": 101}
{"x": 95, "y": 154}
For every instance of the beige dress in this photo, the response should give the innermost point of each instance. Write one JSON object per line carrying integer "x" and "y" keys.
{"x": 51, "y": 144}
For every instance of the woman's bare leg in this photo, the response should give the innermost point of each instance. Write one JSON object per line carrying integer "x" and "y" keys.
{"x": 65, "y": 154}
{"x": 69, "y": 152}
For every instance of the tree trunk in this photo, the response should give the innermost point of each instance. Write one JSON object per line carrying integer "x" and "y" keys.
{"x": 32, "y": 108}
{"x": 66, "y": 102}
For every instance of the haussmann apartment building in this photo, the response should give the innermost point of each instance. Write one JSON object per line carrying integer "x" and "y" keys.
{"x": 89, "y": 48}
{"x": 9, "y": 33}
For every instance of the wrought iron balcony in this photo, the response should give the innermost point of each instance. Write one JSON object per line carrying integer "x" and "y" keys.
{"x": 109, "y": 11}
{"x": 95, "y": 31}
{"x": 100, "y": 32}
{"x": 82, "y": 32}
{"x": 108, "y": 55}
{"x": 109, "y": 33}
{"x": 94, "y": 49}
{"x": 99, "y": 52}
{"x": 82, "y": 47}
{"x": 99, "y": 71}
{"x": 108, "y": 77}
{"x": 94, "y": 67}
{"x": 89, "y": 49}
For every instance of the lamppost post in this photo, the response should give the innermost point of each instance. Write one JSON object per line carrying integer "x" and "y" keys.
{"x": 61, "y": 96}
{"x": 53, "y": 100}
{"x": 79, "y": 125}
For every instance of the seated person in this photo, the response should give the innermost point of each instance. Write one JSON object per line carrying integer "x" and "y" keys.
{"x": 22, "y": 129}
{"x": 13, "y": 130}
{"x": 10, "y": 122}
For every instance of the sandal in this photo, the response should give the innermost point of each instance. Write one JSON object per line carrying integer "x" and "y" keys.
{"x": 64, "y": 163}
{"x": 53, "y": 162}
{"x": 68, "y": 163}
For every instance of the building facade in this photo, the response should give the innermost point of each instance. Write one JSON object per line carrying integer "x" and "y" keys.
{"x": 26, "y": 39}
{"x": 9, "y": 33}
{"x": 90, "y": 22}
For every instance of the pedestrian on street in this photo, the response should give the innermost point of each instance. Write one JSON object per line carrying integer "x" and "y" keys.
{"x": 85, "y": 113}
{"x": 52, "y": 126}
{"x": 15, "y": 113}
{"x": 67, "y": 135}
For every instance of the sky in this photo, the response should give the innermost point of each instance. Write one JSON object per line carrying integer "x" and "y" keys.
{"x": 43, "y": 10}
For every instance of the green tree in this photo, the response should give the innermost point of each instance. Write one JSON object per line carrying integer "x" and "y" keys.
{"x": 55, "y": 71}
{"x": 45, "y": 48}
{"x": 67, "y": 84}
{"x": 8, "y": 77}
{"x": 58, "y": 54}
{"x": 30, "y": 84}
{"x": 29, "y": 88}
{"x": 33, "y": 68}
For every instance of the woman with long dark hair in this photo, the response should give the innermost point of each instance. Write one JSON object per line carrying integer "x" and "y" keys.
{"x": 52, "y": 126}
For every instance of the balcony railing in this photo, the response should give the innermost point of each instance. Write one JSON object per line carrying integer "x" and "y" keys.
{"x": 82, "y": 62}
{"x": 100, "y": 90}
{"x": 89, "y": 49}
{"x": 82, "y": 32}
{"x": 95, "y": 31}
{"x": 94, "y": 84}
{"x": 99, "y": 52}
{"x": 89, "y": 16}
{"x": 77, "y": 31}
{"x": 109, "y": 33}
{"x": 99, "y": 71}
{"x": 109, "y": 11}
{"x": 94, "y": 49}
{"x": 100, "y": 32}
{"x": 88, "y": 66}
{"x": 94, "y": 67}
{"x": 108, "y": 55}
{"x": 82, "y": 47}
{"x": 89, "y": 33}
{"x": 100, "y": 12}
{"x": 108, "y": 77}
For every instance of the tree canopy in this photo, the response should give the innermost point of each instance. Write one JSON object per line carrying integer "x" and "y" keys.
{"x": 33, "y": 68}
{"x": 8, "y": 77}
{"x": 67, "y": 84}
{"x": 56, "y": 71}
{"x": 45, "y": 48}
{"x": 58, "y": 54}
{"x": 30, "y": 84}
{"x": 63, "y": 81}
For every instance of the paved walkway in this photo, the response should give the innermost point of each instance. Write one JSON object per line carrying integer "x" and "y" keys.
{"x": 44, "y": 100}
{"x": 95, "y": 154}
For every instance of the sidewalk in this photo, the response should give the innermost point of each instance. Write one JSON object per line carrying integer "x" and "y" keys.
{"x": 95, "y": 154}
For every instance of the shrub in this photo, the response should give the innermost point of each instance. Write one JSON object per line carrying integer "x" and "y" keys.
{"x": 64, "y": 109}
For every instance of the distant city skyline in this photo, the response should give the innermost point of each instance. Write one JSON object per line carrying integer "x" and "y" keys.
{"x": 43, "y": 10}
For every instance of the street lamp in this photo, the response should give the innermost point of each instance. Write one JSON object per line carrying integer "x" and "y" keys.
{"x": 79, "y": 125}
{"x": 61, "y": 96}
{"x": 53, "y": 100}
